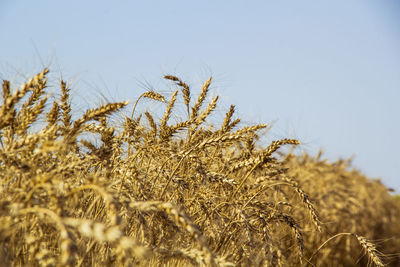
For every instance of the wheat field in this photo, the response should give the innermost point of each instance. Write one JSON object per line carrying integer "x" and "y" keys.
{"x": 147, "y": 190}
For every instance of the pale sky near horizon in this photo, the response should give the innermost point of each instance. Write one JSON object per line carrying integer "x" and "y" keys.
{"x": 328, "y": 72}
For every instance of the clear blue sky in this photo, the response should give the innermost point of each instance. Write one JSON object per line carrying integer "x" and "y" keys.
{"x": 327, "y": 71}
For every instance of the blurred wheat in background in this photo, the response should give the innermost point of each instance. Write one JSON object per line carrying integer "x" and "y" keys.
{"x": 150, "y": 192}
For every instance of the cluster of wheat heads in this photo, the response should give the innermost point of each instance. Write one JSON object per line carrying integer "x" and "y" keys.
{"x": 147, "y": 192}
{"x": 348, "y": 202}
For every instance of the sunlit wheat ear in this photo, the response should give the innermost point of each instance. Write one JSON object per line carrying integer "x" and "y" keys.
{"x": 7, "y": 110}
{"x": 29, "y": 116}
{"x": 167, "y": 114}
{"x": 196, "y": 107}
{"x": 275, "y": 145}
{"x": 37, "y": 91}
{"x": 151, "y": 123}
{"x": 95, "y": 128}
{"x": 226, "y": 124}
{"x": 202, "y": 117}
{"x": 130, "y": 126}
{"x": 218, "y": 138}
{"x": 65, "y": 105}
{"x": 6, "y": 91}
{"x": 185, "y": 90}
{"x": 151, "y": 95}
{"x": 370, "y": 250}
{"x": 96, "y": 113}
{"x": 53, "y": 115}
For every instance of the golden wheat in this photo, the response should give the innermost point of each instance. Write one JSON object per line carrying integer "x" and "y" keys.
{"x": 151, "y": 192}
